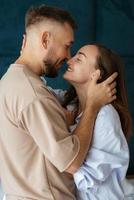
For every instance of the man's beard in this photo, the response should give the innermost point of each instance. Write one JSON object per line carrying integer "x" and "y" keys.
{"x": 50, "y": 64}
{"x": 49, "y": 69}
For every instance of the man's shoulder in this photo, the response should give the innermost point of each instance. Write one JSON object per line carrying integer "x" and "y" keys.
{"x": 22, "y": 85}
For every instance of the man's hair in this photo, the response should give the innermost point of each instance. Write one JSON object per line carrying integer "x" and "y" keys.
{"x": 37, "y": 14}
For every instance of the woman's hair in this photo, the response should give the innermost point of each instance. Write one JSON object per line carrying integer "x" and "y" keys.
{"x": 109, "y": 62}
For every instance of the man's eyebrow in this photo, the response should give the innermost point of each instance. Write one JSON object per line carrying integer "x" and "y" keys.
{"x": 81, "y": 53}
{"x": 71, "y": 43}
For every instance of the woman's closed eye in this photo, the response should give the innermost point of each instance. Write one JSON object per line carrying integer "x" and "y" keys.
{"x": 78, "y": 59}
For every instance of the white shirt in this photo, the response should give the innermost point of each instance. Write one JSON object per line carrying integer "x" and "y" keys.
{"x": 102, "y": 175}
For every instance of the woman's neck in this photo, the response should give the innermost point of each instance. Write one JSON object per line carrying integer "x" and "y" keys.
{"x": 81, "y": 91}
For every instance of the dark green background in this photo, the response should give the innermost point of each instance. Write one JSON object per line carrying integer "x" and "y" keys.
{"x": 110, "y": 22}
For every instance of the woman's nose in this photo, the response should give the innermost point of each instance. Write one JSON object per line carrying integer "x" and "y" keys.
{"x": 69, "y": 61}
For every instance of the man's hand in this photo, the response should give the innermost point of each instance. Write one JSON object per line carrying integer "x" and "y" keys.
{"x": 100, "y": 94}
{"x": 70, "y": 117}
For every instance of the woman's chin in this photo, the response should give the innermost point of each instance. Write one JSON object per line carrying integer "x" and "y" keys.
{"x": 65, "y": 76}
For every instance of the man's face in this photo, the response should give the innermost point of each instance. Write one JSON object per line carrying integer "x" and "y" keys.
{"x": 59, "y": 50}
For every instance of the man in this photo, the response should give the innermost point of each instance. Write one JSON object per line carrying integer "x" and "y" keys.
{"x": 37, "y": 153}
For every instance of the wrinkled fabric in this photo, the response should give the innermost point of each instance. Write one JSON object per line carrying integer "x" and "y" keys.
{"x": 102, "y": 175}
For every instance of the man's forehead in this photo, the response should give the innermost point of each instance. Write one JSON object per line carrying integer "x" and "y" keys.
{"x": 68, "y": 37}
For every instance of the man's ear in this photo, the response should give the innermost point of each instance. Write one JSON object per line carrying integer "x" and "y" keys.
{"x": 45, "y": 39}
{"x": 23, "y": 43}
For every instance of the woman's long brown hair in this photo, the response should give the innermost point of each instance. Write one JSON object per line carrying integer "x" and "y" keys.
{"x": 109, "y": 62}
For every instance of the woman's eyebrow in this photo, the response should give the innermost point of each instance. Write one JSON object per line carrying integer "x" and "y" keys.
{"x": 81, "y": 53}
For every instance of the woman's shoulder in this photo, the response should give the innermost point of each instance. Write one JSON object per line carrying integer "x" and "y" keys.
{"x": 109, "y": 112}
{"x": 108, "y": 133}
{"x": 108, "y": 122}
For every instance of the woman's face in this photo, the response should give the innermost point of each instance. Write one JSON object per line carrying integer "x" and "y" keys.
{"x": 81, "y": 67}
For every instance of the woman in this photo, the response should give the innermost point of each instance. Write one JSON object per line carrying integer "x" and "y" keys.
{"x": 102, "y": 175}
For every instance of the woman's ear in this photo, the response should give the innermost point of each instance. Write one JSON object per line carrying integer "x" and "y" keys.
{"x": 46, "y": 39}
{"x": 96, "y": 74}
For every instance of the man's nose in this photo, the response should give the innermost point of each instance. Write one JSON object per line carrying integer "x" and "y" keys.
{"x": 68, "y": 55}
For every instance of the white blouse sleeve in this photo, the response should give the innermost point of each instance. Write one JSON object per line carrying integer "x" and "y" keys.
{"x": 1, "y": 191}
{"x": 108, "y": 154}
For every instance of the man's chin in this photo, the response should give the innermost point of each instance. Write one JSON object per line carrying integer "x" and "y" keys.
{"x": 52, "y": 75}
{"x": 51, "y": 72}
